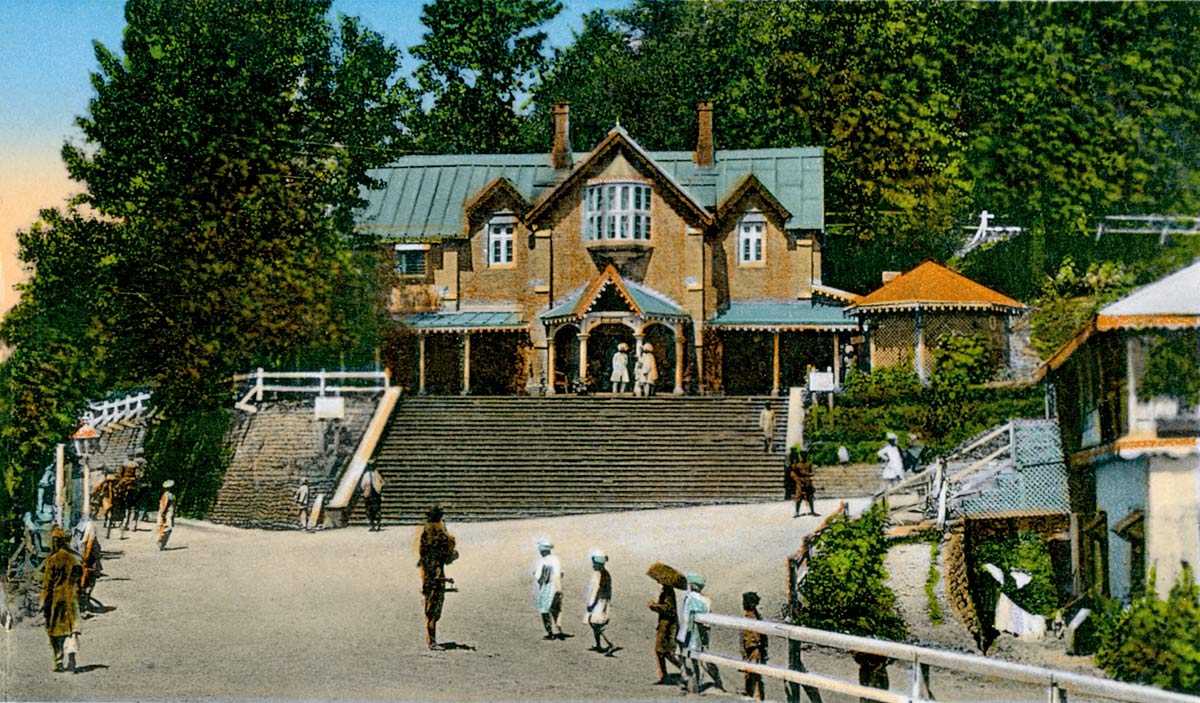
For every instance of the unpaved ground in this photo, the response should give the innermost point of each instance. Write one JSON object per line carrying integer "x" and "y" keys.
{"x": 228, "y": 613}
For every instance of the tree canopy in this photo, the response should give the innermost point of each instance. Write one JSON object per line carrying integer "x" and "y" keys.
{"x": 478, "y": 59}
{"x": 224, "y": 153}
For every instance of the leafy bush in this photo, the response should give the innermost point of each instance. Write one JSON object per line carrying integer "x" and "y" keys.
{"x": 844, "y": 589}
{"x": 1027, "y": 552}
{"x": 1173, "y": 369}
{"x": 944, "y": 414}
{"x": 1068, "y": 300}
{"x": 1154, "y": 641}
{"x": 931, "y": 580}
{"x": 963, "y": 358}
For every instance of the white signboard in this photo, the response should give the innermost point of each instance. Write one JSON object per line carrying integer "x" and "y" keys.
{"x": 821, "y": 381}
{"x": 329, "y": 408}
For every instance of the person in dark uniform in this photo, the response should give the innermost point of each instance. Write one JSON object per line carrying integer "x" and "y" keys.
{"x": 59, "y": 592}
{"x": 801, "y": 473}
{"x": 664, "y": 635}
{"x": 436, "y": 549}
{"x": 754, "y": 646}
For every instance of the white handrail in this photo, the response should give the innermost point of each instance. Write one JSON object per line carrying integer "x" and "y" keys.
{"x": 1055, "y": 680}
{"x": 381, "y": 379}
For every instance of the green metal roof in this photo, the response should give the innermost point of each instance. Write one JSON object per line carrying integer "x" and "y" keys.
{"x": 793, "y": 314}
{"x": 423, "y": 197}
{"x": 462, "y": 321}
{"x": 651, "y": 302}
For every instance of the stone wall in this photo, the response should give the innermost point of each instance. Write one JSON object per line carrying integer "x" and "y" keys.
{"x": 276, "y": 447}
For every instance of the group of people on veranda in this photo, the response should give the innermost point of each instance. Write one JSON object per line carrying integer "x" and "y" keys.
{"x": 70, "y": 572}
{"x": 645, "y": 370}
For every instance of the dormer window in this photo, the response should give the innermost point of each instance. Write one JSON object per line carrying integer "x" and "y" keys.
{"x": 750, "y": 237}
{"x": 616, "y": 210}
{"x": 410, "y": 259}
{"x": 501, "y": 227}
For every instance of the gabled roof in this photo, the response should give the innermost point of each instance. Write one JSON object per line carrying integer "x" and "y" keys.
{"x": 933, "y": 286}
{"x": 1169, "y": 302}
{"x": 642, "y": 301}
{"x": 781, "y": 315}
{"x": 617, "y": 139}
{"x": 731, "y": 205}
{"x": 423, "y": 197}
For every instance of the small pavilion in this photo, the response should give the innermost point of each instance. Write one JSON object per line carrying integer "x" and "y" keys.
{"x": 914, "y": 312}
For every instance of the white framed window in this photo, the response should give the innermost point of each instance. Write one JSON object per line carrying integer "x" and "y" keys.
{"x": 616, "y": 210}
{"x": 750, "y": 237}
{"x": 501, "y": 228}
{"x": 410, "y": 259}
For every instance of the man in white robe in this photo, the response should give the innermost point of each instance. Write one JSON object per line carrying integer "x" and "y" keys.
{"x": 547, "y": 588}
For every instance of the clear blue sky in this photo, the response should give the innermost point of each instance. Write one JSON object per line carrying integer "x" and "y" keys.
{"x": 46, "y": 57}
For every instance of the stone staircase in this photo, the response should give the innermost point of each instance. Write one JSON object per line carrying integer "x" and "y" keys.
{"x": 517, "y": 457}
{"x": 277, "y": 446}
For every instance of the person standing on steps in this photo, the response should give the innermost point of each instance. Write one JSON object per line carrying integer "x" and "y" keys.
{"x": 547, "y": 588}
{"x": 766, "y": 423}
{"x": 893, "y": 464}
{"x": 166, "y": 514}
{"x": 436, "y": 548}
{"x": 300, "y": 500}
{"x": 59, "y": 605}
{"x": 370, "y": 485}
{"x": 801, "y": 473}
{"x": 620, "y": 369}
{"x": 599, "y": 598}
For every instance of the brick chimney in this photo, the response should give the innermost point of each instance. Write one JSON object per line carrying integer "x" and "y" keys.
{"x": 704, "y": 138}
{"x": 560, "y": 153}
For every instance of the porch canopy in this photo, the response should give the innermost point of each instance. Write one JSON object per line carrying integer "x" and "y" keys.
{"x": 777, "y": 316}
{"x": 609, "y": 298}
{"x": 461, "y": 323}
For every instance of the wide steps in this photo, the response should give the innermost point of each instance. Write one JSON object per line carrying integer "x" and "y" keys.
{"x": 498, "y": 458}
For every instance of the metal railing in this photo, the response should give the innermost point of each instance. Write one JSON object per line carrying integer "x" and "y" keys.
{"x": 318, "y": 382}
{"x": 1058, "y": 684}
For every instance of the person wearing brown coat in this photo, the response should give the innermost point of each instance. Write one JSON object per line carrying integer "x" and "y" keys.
{"x": 59, "y": 592}
{"x": 801, "y": 473}
{"x": 754, "y": 646}
{"x": 436, "y": 550}
{"x": 664, "y": 635}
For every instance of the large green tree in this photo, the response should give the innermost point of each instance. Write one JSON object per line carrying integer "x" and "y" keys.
{"x": 225, "y": 149}
{"x": 1075, "y": 111}
{"x": 478, "y": 59}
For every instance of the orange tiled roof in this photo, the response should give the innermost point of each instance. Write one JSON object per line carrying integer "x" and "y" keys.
{"x": 934, "y": 286}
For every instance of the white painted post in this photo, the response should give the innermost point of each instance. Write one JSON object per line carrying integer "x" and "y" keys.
{"x": 87, "y": 486}
{"x": 466, "y": 352}
{"x": 258, "y": 386}
{"x": 775, "y": 367}
{"x": 321, "y": 382}
{"x": 60, "y": 489}
{"x": 678, "y": 362}
{"x": 583, "y": 355}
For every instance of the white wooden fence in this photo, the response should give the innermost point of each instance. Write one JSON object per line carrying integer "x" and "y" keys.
{"x": 920, "y": 660}
{"x": 108, "y": 412}
{"x": 319, "y": 382}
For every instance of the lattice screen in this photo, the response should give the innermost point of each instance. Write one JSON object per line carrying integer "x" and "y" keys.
{"x": 1033, "y": 478}
{"x": 893, "y": 338}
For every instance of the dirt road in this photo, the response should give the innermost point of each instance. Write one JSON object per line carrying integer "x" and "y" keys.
{"x": 237, "y": 614}
{"x": 234, "y": 613}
